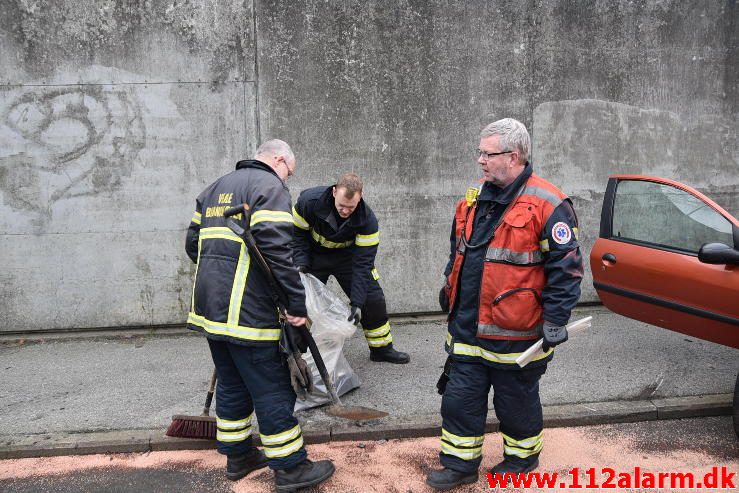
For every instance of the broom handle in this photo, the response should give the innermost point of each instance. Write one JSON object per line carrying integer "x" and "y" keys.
{"x": 209, "y": 397}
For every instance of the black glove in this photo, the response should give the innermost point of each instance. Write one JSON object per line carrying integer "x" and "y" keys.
{"x": 355, "y": 315}
{"x": 297, "y": 339}
{"x": 444, "y": 378}
{"x": 303, "y": 269}
{"x": 444, "y": 299}
{"x": 553, "y": 335}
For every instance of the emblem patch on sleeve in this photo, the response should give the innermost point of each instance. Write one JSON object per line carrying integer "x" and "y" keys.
{"x": 561, "y": 233}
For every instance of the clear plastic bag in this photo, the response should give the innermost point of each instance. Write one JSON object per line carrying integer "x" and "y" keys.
{"x": 330, "y": 330}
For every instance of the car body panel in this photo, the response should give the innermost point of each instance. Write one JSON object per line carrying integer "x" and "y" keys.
{"x": 665, "y": 286}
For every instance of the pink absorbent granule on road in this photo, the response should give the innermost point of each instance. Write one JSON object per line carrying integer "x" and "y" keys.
{"x": 400, "y": 466}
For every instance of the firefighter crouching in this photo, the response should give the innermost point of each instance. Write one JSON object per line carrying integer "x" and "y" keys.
{"x": 513, "y": 277}
{"x": 233, "y": 307}
{"x": 336, "y": 233}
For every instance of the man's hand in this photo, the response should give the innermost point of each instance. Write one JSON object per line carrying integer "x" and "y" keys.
{"x": 356, "y": 315}
{"x": 553, "y": 335}
{"x": 444, "y": 299}
{"x": 296, "y": 321}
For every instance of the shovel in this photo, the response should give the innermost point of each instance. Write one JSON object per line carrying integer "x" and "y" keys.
{"x": 356, "y": 413}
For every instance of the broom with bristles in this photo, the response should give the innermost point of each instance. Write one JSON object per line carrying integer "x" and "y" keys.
{"x": 203, "y": 426}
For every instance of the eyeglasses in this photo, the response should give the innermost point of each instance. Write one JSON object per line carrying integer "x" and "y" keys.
{"x": 489, "y": 155}
{"x": 289, "y": 171}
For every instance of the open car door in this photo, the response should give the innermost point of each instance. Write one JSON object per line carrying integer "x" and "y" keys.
{"x": 669, "y": 256}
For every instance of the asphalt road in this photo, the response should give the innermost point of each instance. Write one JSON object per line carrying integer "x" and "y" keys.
{"x": 697, "y": 446}
{"x": 88, "y": 385}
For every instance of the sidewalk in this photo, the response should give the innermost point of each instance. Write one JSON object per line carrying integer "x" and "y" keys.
{"x": 93, "y": 395}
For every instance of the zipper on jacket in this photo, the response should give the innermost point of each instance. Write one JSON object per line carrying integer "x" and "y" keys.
{"x": 501, "y": 297}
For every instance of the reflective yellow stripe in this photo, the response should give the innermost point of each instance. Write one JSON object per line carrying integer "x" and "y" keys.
{"x": 277, "y": 452}
{"x": 544, "y": 245}
{"x": 375, "y": 274}
{"x": 379, "y": 341}
{"x": 197, "y": 266}
{"x": 219, "y": 232}
{"x": 379, "y": 331}
{"x": 576, "y": 232}
{"x": 461, "y": 441}
{"x": 368, "y": 240}
{"x": 239, "y": 283}
{"x": 228, "y": 424}
{"x": 233, "y": 430}
{"x": 477, "y": 351}
{"x": 329, "y": 244}
{"x": 238, "y": 331}
{"x": 466, "y": 448}
{"x": 282, "y": 444}
{"x": 196, "y": 217}
{"x": 299, "y": 221}
{"x": 270, "y": 216}
{"x": 522, "y": 448}
{"x": 464, "y": 454}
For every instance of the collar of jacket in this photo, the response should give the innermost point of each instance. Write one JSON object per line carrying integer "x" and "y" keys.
{"x": 254, "y": 163}
{"x": 325, "y": 210}
{"x": 493, "y": 193}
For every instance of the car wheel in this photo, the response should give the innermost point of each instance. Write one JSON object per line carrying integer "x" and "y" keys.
{"x": 736, "y": 407}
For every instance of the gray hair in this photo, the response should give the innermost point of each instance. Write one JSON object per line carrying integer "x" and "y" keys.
{"x": 273, "y": 148}
{"x": 513, "y": 136}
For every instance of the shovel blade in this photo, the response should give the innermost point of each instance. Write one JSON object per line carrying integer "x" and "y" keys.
{"x": 355, "y": 413}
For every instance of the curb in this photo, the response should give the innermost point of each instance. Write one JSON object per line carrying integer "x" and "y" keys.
{"x": 555, "y": 416}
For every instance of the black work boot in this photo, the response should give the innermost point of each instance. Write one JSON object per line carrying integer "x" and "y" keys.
{"x": 515, "y": 465}
{"x": 238, "y": 466}
{"x": 388, "y": 354}
{"x": 305, "y": 474}
{"x": 447, "y": 479}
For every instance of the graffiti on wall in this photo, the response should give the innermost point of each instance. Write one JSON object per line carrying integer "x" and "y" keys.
{"x": 59, "y": 142}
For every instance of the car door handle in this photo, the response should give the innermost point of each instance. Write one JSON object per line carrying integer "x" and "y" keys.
{"x": 609, "y": 257}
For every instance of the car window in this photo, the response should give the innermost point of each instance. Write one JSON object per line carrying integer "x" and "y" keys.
{"x": 666, "y": 216}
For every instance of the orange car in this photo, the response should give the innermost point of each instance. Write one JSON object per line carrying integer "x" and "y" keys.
{"x": 669, "y": 256}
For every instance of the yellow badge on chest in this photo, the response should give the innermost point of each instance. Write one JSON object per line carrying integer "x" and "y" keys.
{"x": 471, "y": 195}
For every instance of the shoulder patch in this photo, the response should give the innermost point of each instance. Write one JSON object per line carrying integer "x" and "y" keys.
{"x": 561, "y": 233}
{"x": 471, "y": 195}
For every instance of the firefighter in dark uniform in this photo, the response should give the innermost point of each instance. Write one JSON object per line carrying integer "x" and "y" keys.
{"x": 336, "y": 233}
{"x": 513, "y": 277}
{"x": 233, "y": 307}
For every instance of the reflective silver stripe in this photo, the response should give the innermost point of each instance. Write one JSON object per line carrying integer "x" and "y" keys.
{"x": 238, "y": 331}
{"x": 379, "y": 341}
{"x": 271, "y": 216}
{"x": 380, "y": 331}
{"x": 299, "y": 221}
{"x": 494, "y": 330}
{"x": 219, "y": 232}
{"x": 522, "y": 448}
{"x": 233, "y": 424}
{"x": 239, "y": 283}
{"x": 475, "y": 441}
{"x": 329, "y": 244}
{"x": 507, "y": 255}
{"x": 477, "y": 351}
{"x": 465, "y": 448}
{"x": 542, "y": 193}
{"x": 282, "y": 444}
{"x": 368, "y": 240}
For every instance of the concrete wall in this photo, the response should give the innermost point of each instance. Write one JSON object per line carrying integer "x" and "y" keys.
{"x": 114, "y": 115}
